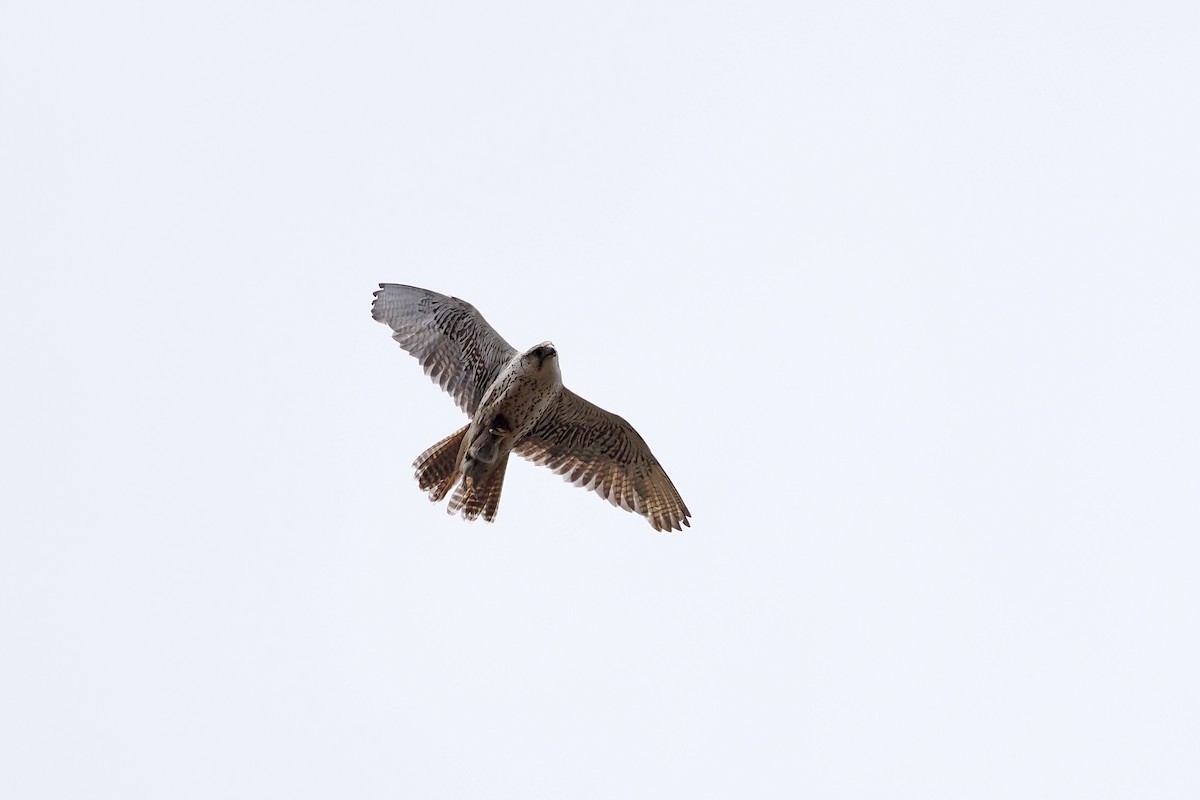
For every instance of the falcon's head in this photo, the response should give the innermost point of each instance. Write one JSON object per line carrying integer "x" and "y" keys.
{"x": 542, "y": 355}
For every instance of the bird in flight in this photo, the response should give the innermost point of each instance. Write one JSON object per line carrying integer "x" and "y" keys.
{"x": 517, "y": 403}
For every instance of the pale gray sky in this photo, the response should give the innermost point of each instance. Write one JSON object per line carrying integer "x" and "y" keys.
{"x": 904, "y": 296}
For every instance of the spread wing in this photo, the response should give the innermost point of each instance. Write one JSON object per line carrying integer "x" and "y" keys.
{"x": 600, "y": 451}
{"x": 454, "y": 343}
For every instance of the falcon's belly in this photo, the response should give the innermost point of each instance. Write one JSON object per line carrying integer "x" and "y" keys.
{"x": 510, "y": 408}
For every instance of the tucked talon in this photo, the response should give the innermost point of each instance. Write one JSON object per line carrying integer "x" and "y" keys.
{"x": 500, "y": 426}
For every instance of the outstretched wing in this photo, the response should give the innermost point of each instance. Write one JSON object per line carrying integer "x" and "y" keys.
{"x": 600, "y": 451}
{"x": 454, "y": 343}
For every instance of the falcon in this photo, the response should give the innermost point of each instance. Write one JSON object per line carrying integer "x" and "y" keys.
{"x": 517, "y": 403}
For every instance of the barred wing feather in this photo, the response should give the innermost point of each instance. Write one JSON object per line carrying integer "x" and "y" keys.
{"x": 602, "y": 452}
{"x": 454, "y": 343}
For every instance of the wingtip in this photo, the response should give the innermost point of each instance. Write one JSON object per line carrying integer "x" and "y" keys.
{"x": 668, "y": 525}
{"x": 383, "y": 287}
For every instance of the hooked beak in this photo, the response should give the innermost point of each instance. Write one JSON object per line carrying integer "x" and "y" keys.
{"x": 544, "y": 352}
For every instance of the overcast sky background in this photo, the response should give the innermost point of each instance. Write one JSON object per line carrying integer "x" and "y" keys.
{"x": 905, "y": 297}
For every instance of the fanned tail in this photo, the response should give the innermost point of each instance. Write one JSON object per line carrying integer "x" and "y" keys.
{"x": 437, "y": 467}
{"x": 479, "y": 492}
